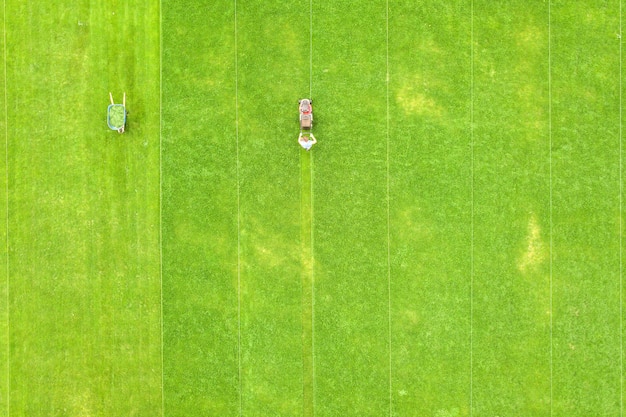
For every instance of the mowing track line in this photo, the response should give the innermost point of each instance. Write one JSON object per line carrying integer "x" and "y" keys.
{"x": 238, "y": 216}
{"x": 311, "y": 49}
{"x": 550, "y": 188}
{"x": 388, "y": 209}
{"x": 621, "y": 309}
{"x": 311, "y": 235}
{"x": 312, "y": 296}
{"x": 6, "y": 159}
{"x": 307, "y": 283}
{"x": 471, "y": 337}
{"x": 308, "y": 260}
{"x": 161, "y": 198}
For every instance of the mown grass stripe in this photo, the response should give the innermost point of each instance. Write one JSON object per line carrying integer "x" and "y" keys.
{"x": 200, "y": 211}
{"x": 587, "y": 299}
{"x": 472, "y": 181}
{"x": 350, "y": 227}
{"x": 510, "y": 238}
{"x": 6, "y": 196}
{"x": 84, "y": 267}
{"x": 550, "y": 255}
{"x": 161, "y": 203}
{"x": 271, "y": 302}
{"x": 309, "y": 299}
{"x": 239, "y": 370}
{"x": 621, "y": 298}
{"x": 310, "y": 49}
{"x": 430, "y": 239}
{"x": 388, "y": 205}
{"x": 306, "y": 210}
{"x": 313, "y": 380}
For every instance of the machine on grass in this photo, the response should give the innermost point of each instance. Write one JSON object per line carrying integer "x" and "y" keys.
{"x": 116, "y": 115}
{"x": 306, "y": 114}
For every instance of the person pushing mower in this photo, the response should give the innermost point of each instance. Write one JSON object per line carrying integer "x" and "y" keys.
{"x": 307, "y": 142}
{"x": 305, "y": 108}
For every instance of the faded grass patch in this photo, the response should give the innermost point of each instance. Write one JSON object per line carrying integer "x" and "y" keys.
{"x": 532, "y": 39}
{"x": 411, "y": 316}
{"x": 81, "y": 404}
{"x": 532, "y": 100}
{"x": 532, "y": 93}
{"x": 413, "y": 98}
{"x": 413, "y": 225}
{"x": 268, "y": 248}
{"x": 535, "y": 253}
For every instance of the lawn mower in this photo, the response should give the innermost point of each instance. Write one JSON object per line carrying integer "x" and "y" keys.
{"x": 306, "y": 114}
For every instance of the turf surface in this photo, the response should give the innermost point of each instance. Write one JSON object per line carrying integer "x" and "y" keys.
{"x": 351, "y": 282}
{"x": 450, "y": 247}
{"x": 511, "y": 206}
{"x": 83, "y": 207}
{"x": 200, "y": 222}
{"x": 587, "y": 195}
{"x": 4, "y": 278}
{"x": 430, "y": 207}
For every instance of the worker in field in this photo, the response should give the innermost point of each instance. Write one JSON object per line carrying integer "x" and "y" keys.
{"x": 307, "y": 142}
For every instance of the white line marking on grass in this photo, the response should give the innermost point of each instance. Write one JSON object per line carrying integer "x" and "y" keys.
{"x": 472, "y": 208}
{"x": 238, "y": 217}
{"x": 6, "y": 159}
{"x": 312, "y": 216}
{"x": 388, "y": 210}
{"x": 161, "y": 198}
{"x": 312, "y": 289}
{"x": 620, "y": 221}
{"x": 311, "y": 49}
{"x": 550, "y": 185}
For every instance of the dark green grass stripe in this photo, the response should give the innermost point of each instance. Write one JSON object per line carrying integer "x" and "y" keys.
{"x": 511, "y": 325}
{"x": 199, "y": 211}
{"x": 4, "y": 237}
{"x": 621, "y": 205}
{"x": 308, "y": 262}
{"x": 430, "y": 207}
{"x": 271, "y": 79}
{"x": 586, "y": 187}
{"x": 351, "y": 275}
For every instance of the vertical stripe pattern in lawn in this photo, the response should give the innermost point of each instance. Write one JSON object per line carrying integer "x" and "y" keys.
{"x": 431, "y": 206}
{"x": 199, "y": 210}
{"x": 306, "y": 251}
{"x": 308, "y": 259}
{"x": 551, "y": 253}
{"x": 237, "y": 176}
{"x": 511, "y": 325}
{"x": 472, "y": 179}
{"x": 308, "y": 262}
{"x": 5, "y": 352}
{"x": 351, "y": 276}
{"x": 84, "y": 222}
{"x": 586, "y": 185}
{"x": 161, "y": 201}
{"x": 269, "y": 77}
{"x": 621, "y": 219}
{"x": 388, "y": 203}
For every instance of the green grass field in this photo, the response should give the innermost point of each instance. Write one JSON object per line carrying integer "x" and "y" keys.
{"x": 451, "y": 247}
